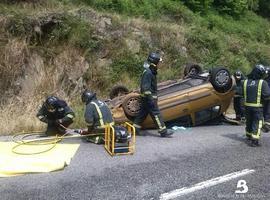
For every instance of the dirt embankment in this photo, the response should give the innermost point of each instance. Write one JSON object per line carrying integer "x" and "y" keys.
{"x": 59, "y": 53}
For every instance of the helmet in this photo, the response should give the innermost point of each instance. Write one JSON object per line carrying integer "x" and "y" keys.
{"x": 50, "y": 103}
{"x": 258, "y": 72}
{"x": 238, "y": 74}
{"x": 88, "y": 96}
{"x": 121, "y": 134}
{"x": 154, "y": 58}
{"x": 267, "y": 69}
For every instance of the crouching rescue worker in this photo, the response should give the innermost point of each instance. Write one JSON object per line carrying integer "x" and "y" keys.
{"x": 56, "y": 114}
{"x": 255, "y": 90}
{"x": 149, "y": 97}
{"x": 238, "y": 100}
{"x": 97, "y": 115}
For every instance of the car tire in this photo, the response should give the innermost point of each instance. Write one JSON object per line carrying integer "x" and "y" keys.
{"x": 192, "y": 69}
{"x": 221, "y": 79}
{"x": 132, "y": 105}
{"x": 118, "y": 90}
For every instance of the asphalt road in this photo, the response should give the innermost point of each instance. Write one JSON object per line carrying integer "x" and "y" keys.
{"x": 160, "y": 165}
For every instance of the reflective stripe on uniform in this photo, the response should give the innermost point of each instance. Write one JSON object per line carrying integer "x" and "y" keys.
{"x": 147, "y": 92}
{"x": 137, "y": 126}
{"x": 159, "y": 123}
{"x": 248, "y": 133}
{"x": 245, "y": 90}
{"x": 70, "y": 116}
{"x": 112, "y": 123}
{"x": 41, "y": 116}
{"x": 259, "y": 93}
{"x": 99, "y": 114}
{"x": 258, "y": 134}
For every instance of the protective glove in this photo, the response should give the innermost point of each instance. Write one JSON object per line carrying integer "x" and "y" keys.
{"x": 79, "y": 131}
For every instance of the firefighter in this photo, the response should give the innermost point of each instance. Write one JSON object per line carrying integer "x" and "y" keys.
{"x": 97, "y": 115}
{"x": 149, "y": 97}
{"x": 56, "y": 114}
{"x": 255, "y": 91}
{"x": 238, "y": 100}
{"x": 266, "y": 106}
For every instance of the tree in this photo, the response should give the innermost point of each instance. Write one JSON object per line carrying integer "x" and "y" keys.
{"x": 253, "y": 4}
{"x": 199, "y": 5}
{"x": 264, "y": 8}
{"x": 231, "y": 7}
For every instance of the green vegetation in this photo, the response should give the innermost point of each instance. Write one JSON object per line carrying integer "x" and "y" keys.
{"x": 59, "y": 39}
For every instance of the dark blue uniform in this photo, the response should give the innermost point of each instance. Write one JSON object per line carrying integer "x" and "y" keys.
{"x": 255, "y": 91}
{"x": 149, "y": 101}
{"x": 58, "y": 120}
{"x": 97, "y": 115}
{"x": 266, "y": 106}
{"x": 238, "y": 100}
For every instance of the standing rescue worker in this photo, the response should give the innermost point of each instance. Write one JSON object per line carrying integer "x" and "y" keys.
{"x": 97, "y": 115}
{"x": 238, "y": 100}
{"x": 266, "y": 105}
{"x": 256, "y": 91}
{"x": 56, "y": 114}
{"x": 149, "y": 96}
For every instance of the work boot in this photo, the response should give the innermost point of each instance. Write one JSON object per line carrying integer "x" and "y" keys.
{"x": 255, "y": 143}
{"x": 265, "y": 129}
{"x": 237, "y": 118}
{"x": 166, "y": 133}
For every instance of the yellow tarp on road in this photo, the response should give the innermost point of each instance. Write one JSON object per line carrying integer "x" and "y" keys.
{"x": 12, "y": 164}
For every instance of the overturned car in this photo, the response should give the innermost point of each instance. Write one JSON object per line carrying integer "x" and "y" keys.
{"x": 199, "y": 97}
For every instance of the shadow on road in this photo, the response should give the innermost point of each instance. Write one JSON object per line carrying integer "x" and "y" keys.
{"x": 237, "y": 137}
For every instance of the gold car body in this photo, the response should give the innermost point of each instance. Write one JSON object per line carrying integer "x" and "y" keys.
{"x": 177, "y": 102}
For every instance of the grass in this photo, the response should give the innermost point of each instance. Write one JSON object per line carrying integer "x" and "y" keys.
{"x": 108, "y": 47}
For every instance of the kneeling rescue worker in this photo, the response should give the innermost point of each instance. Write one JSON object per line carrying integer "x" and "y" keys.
{"x": 56, "y": 114}
{"x": 97, "y": 115}
{"x": 149, "y": 97}
{"x": 256, "y": 90}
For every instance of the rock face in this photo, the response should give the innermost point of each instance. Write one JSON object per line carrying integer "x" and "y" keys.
{"x": 61, "y": 53}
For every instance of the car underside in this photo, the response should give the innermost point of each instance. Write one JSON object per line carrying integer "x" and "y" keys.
{"x": 194, "y": 100}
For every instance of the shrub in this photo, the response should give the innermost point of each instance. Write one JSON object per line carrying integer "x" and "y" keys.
{"x": 199, "y": 5}
{"x": 231, "y": 7}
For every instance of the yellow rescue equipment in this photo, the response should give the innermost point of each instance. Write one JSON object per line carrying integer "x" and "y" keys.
{"x": 116, "y": 147}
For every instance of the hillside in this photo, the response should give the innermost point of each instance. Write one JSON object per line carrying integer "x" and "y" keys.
{"x": 58, "y": 46}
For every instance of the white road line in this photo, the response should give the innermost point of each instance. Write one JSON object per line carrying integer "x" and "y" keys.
{"x": 205, "y": 184}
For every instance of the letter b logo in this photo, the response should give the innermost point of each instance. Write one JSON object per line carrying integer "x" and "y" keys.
{"x": 242, "y": 184}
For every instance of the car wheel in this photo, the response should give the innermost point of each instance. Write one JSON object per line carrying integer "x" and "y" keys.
{"x": 192, "y": 69}
{"x": 118, "y": 90}
{"x": 132, "y": 105}
{"x": 221, "y": 79}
